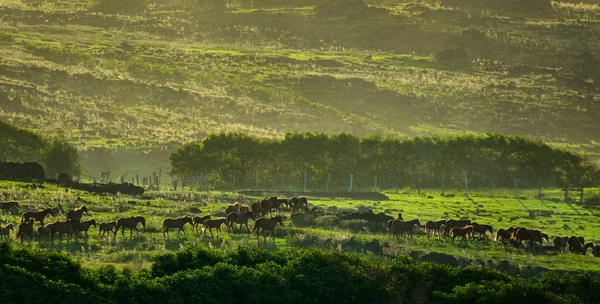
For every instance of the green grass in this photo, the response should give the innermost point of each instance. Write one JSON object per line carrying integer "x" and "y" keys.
{"x": 138, "y": 251}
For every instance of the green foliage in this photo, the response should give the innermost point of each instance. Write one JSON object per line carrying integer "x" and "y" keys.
{"x": 61, "y": 157}
{"x": 118, "y": 6}
{"x": 488, "y": 158}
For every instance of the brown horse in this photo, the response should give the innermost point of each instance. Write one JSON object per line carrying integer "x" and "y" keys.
{"x": 482, "y": 229}
{"x": 37, "y": 215}
{"x": 9, "y": 205}
{"x": 107, "y": 227}
{"x": 216, "y": 223}
{"x": 273, "y": 203}
{"x": 43, "y": 231}
{"x": 25, "y": 228}
{"x": 131, "y": 223}
{"x": 233, "y": 208}
{"x": 176, "y": 223}
{"x": 530, "y": 235}
{"x": 267, "y": 224}
{"x": 240, "y": 218}
{"x": 199, "y": 220}
{"x": 431, "y": 227}
{"x": 244, "y": 208}
{"x": 576, "y": 245}
{"x": 77, "y": 213}
{"x": 67, "y": 227}
{"x": 5, "y": 231}
{"x": 596, "y": 251}
{"x": 298, "y": 203}
{"x": 455, "y": 224}
{"x": 257, "y": 209}
{"x": 399, "y": 227}
{"x": 560, "y": 243}
{"x": 504, "y": 235}
{"x": 85, "y": 226}
{"x": 461, "y": 231}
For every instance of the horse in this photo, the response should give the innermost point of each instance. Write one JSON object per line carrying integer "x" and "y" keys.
{"x": 530, "y": 235}
{"x": 77, "y": 213}
{"x": 455, "y": 224}
{"x": 67, "y": 227}
{"x": 257, "y": 208}
{"x": 482, "y": 229}
{"x": 176, "y": 223}
{"x": 131, "y": 223}
{"x": 239, "y": 218}
{"x": 216, "y": 223}
{"x": 397, "y": 227}
{"x": 267, "y": 224}
{"x": 298, "y": 203}
{"x": 199, "y": 220}
{"x": 433, "y": 226}
{"x": 576, "y": 245}
{"x": 58, "y": 209}
{"x": 9, "y": 205}
{"x": 5, "y": 231}
{"x": 25, "y": 228}
{"x": 43, "y": 231}
{"x": 504, "y": 235}
{"x": 272, "y": 203}
{"x": 461, "y": 231}
{"x": 107, "y": 227}
{"x": 596, "y": 251}
{"x": 233, "y": 208}
{"x": 37, "y": 215}
{"x": 85, "y": 226}
{"x": 244, "y": 208}
{"x": 560, "y": 243}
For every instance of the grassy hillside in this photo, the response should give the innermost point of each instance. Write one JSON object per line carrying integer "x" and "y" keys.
{"x": 147, "y": 81}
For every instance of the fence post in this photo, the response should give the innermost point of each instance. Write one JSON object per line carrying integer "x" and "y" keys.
{"x": 375, "y": 186}
{"x": 137, "y": 179}
{"x": 443, "y": 185}
{"x": 233, "y": 184}
{"x": 516, "y": 193}
{"x": 282, "y": 181}
{"x": 192, "y": 182}
{"x": 466, "y": 184}
{"x": 327, "y": 185}
{"x": 492, "y": 189}
{"x": 206, "y": 182}
{"x": 256, "y": 180}
{"x": 305, "y": 179}
{"x": 581, "y": 196}
{"x": 351, "y": 181}
{"x": 215, "y": 178}
{"x": 419, "y": 192}
{"x": 566, "y": 193}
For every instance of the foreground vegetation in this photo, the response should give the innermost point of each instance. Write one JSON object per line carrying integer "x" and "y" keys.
{"x": 141, "y": 81}
{"x": 288, "y": 276}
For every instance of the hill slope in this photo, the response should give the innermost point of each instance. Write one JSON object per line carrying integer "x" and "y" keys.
{"x": 171, "y": 74}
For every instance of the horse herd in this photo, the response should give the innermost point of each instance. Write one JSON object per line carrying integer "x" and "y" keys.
{"x": 513, "y": 236}
{"x": 234, "y": 214}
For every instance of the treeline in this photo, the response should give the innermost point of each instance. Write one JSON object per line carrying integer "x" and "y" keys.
{"x": 54, "y": 154}
{"x": 389, "y": 162}
{"x": 251, "y": 275}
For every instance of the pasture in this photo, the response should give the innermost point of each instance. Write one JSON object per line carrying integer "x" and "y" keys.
{"x": 328, "y": 231}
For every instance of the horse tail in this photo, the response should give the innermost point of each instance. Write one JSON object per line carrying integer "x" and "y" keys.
{"x": 253, "y": 228}
{"x": 390, "y": 223}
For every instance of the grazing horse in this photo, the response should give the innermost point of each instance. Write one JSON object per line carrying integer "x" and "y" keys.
{"x": 576, "y": 245}
{"x": 240, "y": 218}
{"x": 530, "y": 235}
{"x": 504, "y": 235}
{"x": 58, "y": 209}
{"x": 176, "y": 223}
{"x": 216, "y": 223}
{"x": 461, "y": 231}
{"x": 77, "y": 213}
{"x": 9, "y": 205}
{"x": 298, "y": 203}
{"x": 257, "y": 209}
{"x": 482, "y": 229}
{"x": 131, "y": 223}
{"x": 244, "y": 208}
{"x": 43, "y": 231}
{"x": 199, "y": 220}
{"x": 560, "y": 243}
{"x": 455, "y": 224}
{"x": 433, "y": 227}
{"x": 272, "y": 203}
{"x": 85, "y": 226}
{"x": 267, "y": 224}
{"x": 67, "y": 227}
{"x": 596, "y": 251}
{"x": 398, "y": 227}
{"x": 107, "y": 227}
{"x": 233, "y": 208}
{"x": 5, "y": 231}
{"x": 25, "y": 228}
{"x": 37, "y": 215}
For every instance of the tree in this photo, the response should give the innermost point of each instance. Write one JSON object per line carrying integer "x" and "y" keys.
{"x": 61, "y": 157}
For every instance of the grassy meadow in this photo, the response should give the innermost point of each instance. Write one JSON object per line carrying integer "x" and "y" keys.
{"x": 549, "y": 214}
{"x": 141, "y": 83}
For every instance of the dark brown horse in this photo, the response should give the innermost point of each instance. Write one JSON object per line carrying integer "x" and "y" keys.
{"x": 576, "y": 245}
{"x": 37, "y": 215}
{"x": 214, "y": 223}
{"x": 9, "y": 205}
{"x": 267, "y": 224}
{"x": 239, "y": 218}
{"x": 298, "y": 203}
{"x": 199, "y": 220}
{"x": 5, "y": 231}
{"x": 107, "y": 227}
{"x": 67, "y": 227}
{"x": 257, "y": 209}
{"x": 504, "y": 235}
{"x": 431, "y": 227}
{"x": 482, "y": 229}
{"x": 560, "y": 243}
{"x": 77, "y": 213}
{"x": 233, "y": 208}
{"x": 400, "y": 227}
{"x": 43, "y": 231}
{"x": 530, "y": 235}
{"x": 176, "y": 223}
{"x": 464, "y": 232}
{"x": 131, "y": 224}
{"x": 455, "y": 224}
{"x": 596, "y": 251}
{"x": 85, "y": 226}
{"x": 25, "y": 228}
{"x": 273, "y": 203}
